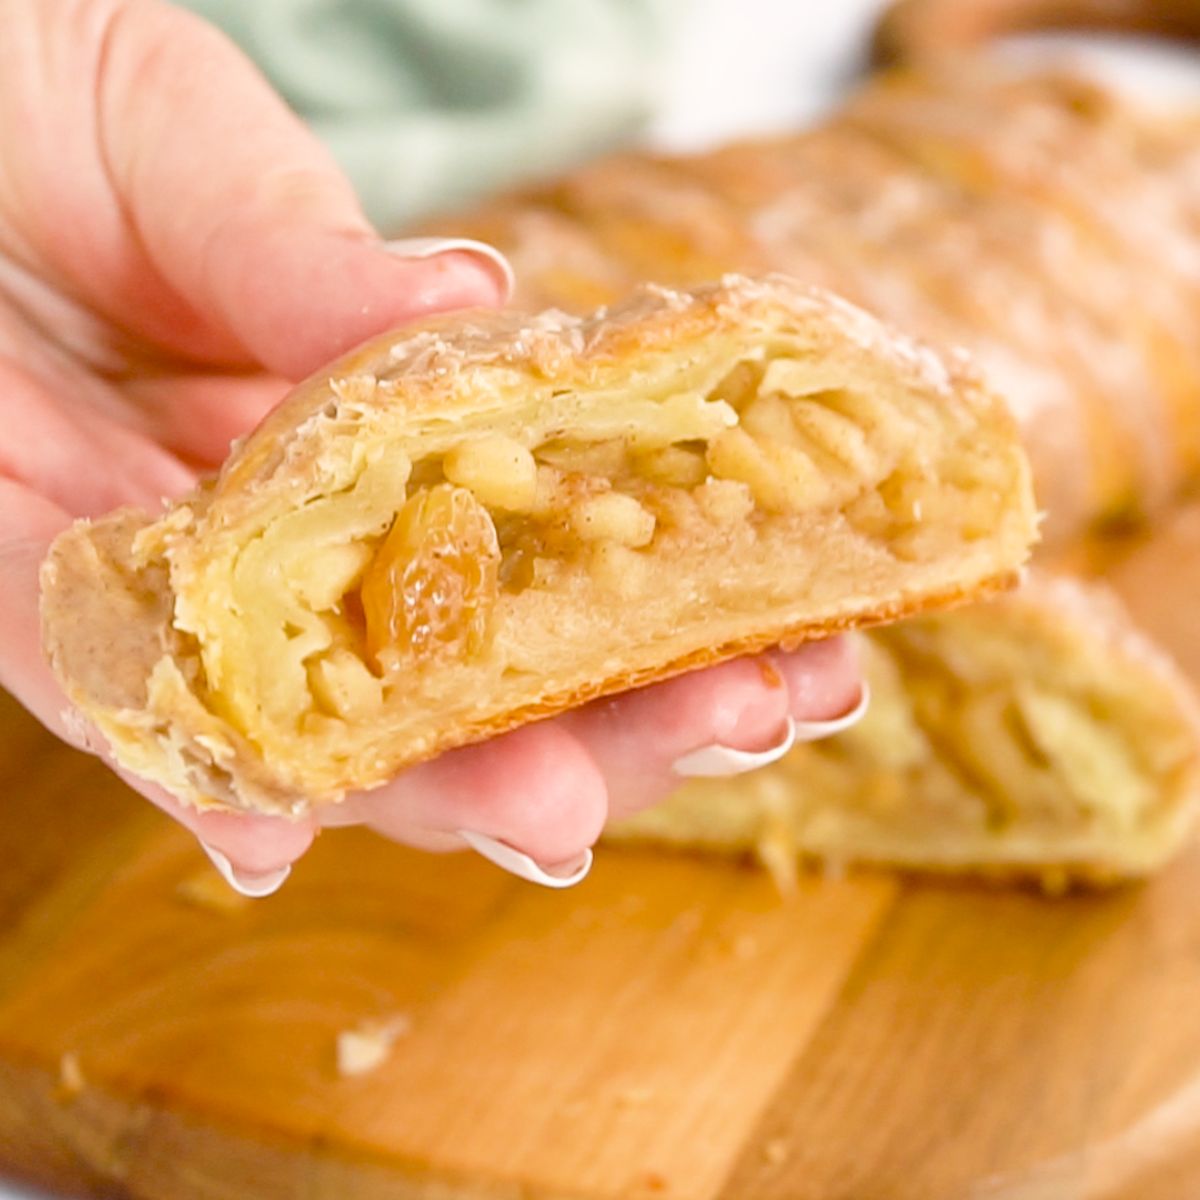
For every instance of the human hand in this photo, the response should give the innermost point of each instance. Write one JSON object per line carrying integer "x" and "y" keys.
{"x": 175, "y": 247}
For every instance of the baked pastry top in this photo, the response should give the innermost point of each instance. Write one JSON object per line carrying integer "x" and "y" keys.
{"x": 1039, "y": 735}
{"x": 1046, "y": 224}
{"x": 476, "y": 522}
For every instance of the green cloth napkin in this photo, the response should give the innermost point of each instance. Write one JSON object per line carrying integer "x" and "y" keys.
{"x": 429, "y": 103}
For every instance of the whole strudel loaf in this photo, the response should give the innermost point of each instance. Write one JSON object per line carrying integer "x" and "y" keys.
{"x": 1053, "y": 228}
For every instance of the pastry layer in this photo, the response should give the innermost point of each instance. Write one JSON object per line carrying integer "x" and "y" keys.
{"x": 472, "y": 524}
{"x": 1038, "y": 734}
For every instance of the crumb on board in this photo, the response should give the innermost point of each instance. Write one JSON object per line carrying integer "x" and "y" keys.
{"x": 742, "y": 946}
{"x": 207, "y": 890}
{"x": 745, "y": 947}
{"x": 775, "y": 1152}
{"x": 770, "y": 673}
{"x": 833, "y": 870}
{"x": 688, "y": 923}
{"x": 584, "y": 918}
{"x": 366, "y": 1048}
{"x": 70, "y": 1077}
{"x": 777, "y": 853}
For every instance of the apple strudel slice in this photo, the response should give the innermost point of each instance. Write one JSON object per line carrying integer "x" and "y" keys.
{"x": 483, "y": 520}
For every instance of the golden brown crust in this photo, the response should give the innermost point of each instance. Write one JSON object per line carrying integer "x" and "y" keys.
{"x": 917, "y": 31}
{"x": 790, "y": 636}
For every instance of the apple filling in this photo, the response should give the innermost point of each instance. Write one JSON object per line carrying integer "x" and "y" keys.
{"x": 992, "y": 738}
{"x": 705, "y": 495}
{"x": 998, "y": 740}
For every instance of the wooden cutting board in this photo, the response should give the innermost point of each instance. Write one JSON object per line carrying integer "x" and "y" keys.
{"x": 669, "y": 1029}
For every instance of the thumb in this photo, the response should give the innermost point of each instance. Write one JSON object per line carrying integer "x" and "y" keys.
{"x": 243, "y": 212}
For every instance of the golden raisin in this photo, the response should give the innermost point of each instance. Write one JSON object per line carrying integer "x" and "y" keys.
{"x": 433, "y": 583}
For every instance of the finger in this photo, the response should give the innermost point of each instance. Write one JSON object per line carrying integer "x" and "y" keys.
{"x": 80, "y": 460}
{"x": 210, "y": 222}
{"x": 823, "y": 679}
{"x": 199, "y": 414}
{"x": 637, "y": 738}
{"x": 258, "y": 851}
{"x": 247, "y": 218}
{"x": 536, "y": 789}
{"x": 28, "y": 524}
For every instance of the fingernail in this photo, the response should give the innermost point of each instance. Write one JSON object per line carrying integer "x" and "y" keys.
{"x": 512, "y": 860}
{"x": 716, "y": 761}
{"x": 246, "y": 883}
{"x": 428, "y": 247}
{"x": 813, "y": 731}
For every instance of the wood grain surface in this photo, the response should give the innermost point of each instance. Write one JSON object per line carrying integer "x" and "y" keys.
{"x": 671, "y": 1028}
